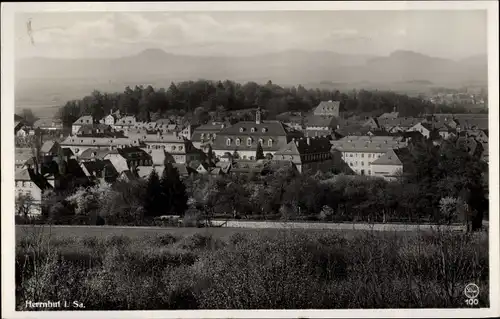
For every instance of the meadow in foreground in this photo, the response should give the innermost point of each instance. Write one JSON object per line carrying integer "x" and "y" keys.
{"x": 283, "y": 269}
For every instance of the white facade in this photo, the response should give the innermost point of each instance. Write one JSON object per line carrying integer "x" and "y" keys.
{"x": 24, "y": 187}
{"x": 386, "y": 171}
{"x": 360, "y": 162}
{"x": 420, "y": 128}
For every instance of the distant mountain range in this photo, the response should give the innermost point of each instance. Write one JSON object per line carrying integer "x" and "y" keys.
{"x": 288, "y": 67}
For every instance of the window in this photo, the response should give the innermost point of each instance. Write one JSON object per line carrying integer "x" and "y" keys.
{"x": 214, "y": 135}
{"x": 264, "y": 130}
{"x": 252, "y": 129}
{"x": 350, "y": 155}
{"x": 173, "y": 147}
{"x": 202, "y": 135}
{"x": 228, "y": 142}
{"x": 362, "y": 163}
{"x": 252, "y": 158}
{"x": 261, "y": 141}
{"x": 77, "y": 150}
{"x": 270, "y": 142}
{"x": 249, "y": 141}
{"x": 238, "y": 141}
{"x": 242, "y": 129}
{"x": 244, "y": 157}
{"x": 180, "y": 148}
{"x": 362, "y": 155}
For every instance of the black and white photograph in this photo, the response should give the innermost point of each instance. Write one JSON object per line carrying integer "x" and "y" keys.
{"x": 212, "y": 159}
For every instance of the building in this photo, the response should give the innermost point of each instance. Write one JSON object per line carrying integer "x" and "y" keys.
{"x": 22, "y": 155}
{"x": 79, "y": 144}
{"x": 127, "y": 158}
{"x": 49, "y": 125}
{"x": 30, "y": 184}
{"x": 125, "y": 123}
{"x": 183, "y": 169}
{"x": 205, "y": 135}
{"x": 86, "y": 119}
{"x": 424, "y": 128}
{"x": 400, "y": 124}
{"x": 96, "y": 129}
{"x": 173, "y": 147}
{"x": 358, "y": 152}
{"x": 328, "y": 108}
{"x": 320, "y": 125}
{"x": 102, "y": 170}
{"x": 390, "y": 165}
{"x": 310, "y": 153}
{"x": 242, "y": 138}
{"x": 391, "y": 115}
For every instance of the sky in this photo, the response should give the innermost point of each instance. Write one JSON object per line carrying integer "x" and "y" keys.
{"x": 448, "y": 34}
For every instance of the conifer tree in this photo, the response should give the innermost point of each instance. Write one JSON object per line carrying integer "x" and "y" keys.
{"x": 259, "y": 154}
{"x": 153, "y": 205}
{"x": 173, "y": 191}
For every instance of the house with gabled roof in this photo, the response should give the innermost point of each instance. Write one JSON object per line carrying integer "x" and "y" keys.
{"x": 310, "y": 153}
{"x": 321, "y": 124}
{"x": 100, "y": 170}
{"x": 358, "y": 152}
{"x": 125, "y": 123}
{"x": 390, "y": 165}
{"x": 328, "y": 108}
{"x": 30, "y": 184}
{"x": 83, "y": 120}
{"x": 127, "y": 158}
{"x": 424, "y": 128}
{"x": 243, "y": 138}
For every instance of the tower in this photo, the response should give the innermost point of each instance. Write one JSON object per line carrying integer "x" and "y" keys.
{"x": 257, "y": 116}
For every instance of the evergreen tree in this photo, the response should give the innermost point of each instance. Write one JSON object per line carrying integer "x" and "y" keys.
{"x": 259, "y": 153}
{"x": 210, "y": 159}
{"x": 173, "y": 191}
{"x": 153, "y": 205}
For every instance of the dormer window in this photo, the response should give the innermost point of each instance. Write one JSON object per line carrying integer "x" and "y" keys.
{"x": 202, "y": 135}
{"x": 228, "y": 142}
{"x": 242, "y": 129}
{"x": 238, "y": 141}
{"x": 261, "y": 141}
{"x": 264, "y": 130}
{"x": 249, "y": 141}
{"x": 270, "y": 142}
{"x": 252, "y": 129}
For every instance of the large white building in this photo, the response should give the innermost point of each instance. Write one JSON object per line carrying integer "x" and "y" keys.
{"x": 361, "y": 153}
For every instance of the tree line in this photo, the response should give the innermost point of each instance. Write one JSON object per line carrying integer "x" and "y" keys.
{"x": 197, "y": 99}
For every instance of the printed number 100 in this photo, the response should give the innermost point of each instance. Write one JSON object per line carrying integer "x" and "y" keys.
{"x": 472, "y": 302}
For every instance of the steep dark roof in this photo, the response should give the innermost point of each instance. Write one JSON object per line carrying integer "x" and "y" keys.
{"x": 92, "y": 153}
{"x": 302, "y": 147}
{"x": 48, "y": 146}
{"x": 321, "y": 121}
{"x": 270, "y": 128}
{"x": 95, "y": 168}
{"x": 133, "y": 153}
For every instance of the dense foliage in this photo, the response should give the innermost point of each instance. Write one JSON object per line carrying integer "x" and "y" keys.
{"x": 201, "y": 100}
{"x": 273, "y": 269}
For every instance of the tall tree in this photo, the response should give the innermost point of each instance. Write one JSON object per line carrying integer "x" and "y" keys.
{"x": 173, "y": 191}
{"x": 259, "y": 153}
{"x": 153, "y": 205}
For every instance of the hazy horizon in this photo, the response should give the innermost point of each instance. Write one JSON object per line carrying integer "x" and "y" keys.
{"x": 445, "y": 34}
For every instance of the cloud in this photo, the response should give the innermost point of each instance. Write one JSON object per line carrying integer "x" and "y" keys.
{"x": 161, "y": 30}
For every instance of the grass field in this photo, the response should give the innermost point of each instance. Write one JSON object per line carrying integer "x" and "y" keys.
{"x": 111, "y": 268}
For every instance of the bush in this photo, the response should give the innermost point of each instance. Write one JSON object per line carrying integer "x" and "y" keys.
{"x": 282, "y": 269}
